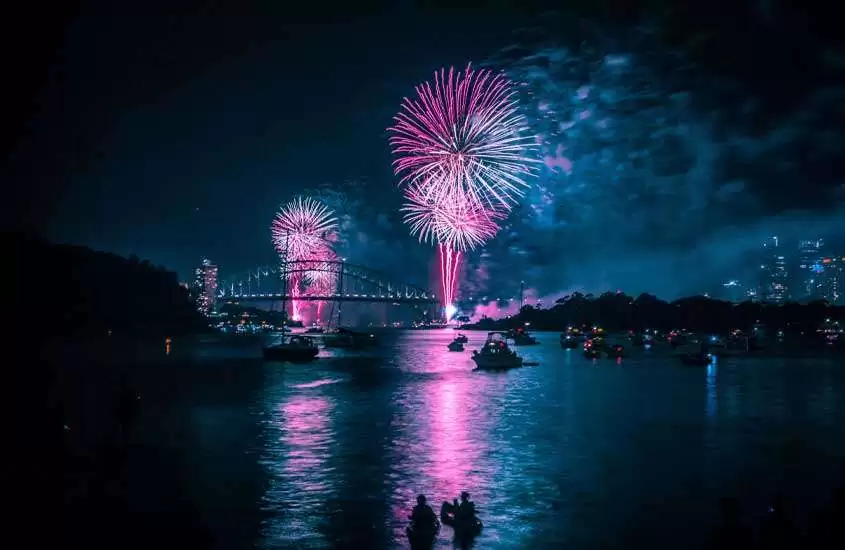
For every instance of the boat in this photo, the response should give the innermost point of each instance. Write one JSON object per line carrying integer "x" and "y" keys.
{"x": 456, "y": 345}
{"x": 345, "y": 338}
{"x": 732, "y": 346}
{"x": 596, "y": 348}
{"x": 464, "y": 530}
{"x": 422, "y": 536}
{"x": 461, "y": 338}
{"x": 495, "y": 354}
{"x": 314, "y": 330}
{"x": 637, "y": 339}
{"x": 521, "y": 338}
{"x": 296, "y": 349}
{"x": 696, "y": 359}
{"x": 568, "y": 341}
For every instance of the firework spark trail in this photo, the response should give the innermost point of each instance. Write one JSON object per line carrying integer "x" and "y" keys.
{"x": 449, "y": 262}
{"x": 294, "y": 303}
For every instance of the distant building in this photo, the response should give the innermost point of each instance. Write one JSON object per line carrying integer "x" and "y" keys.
{"x": 773, "y": 273}
{"x": 807, "y": 279}
{"x": 832, "y": 280}
{"x": 205, "y": 286}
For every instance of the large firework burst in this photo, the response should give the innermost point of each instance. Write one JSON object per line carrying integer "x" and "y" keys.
{"x": 303, "y": 228}
{"x": 463, "y": 134}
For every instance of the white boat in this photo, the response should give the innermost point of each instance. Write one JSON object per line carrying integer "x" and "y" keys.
{"x": 495, "y": 354}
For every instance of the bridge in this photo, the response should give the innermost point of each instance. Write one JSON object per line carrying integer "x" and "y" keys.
{"x": 343, "y": 282}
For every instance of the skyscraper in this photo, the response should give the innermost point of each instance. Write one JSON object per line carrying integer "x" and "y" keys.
{"x": 205, "y": 286}
{"x": 832, "y": 280}
{"x": 773, "y": 273}
{"x": 807, "y": 281}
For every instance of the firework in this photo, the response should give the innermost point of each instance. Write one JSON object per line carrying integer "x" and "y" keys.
{"x": 302, "y": 228}
{"x": 453, "y": 220}
{"x": 303, "y": 232}
{"x": 463, "y": 135}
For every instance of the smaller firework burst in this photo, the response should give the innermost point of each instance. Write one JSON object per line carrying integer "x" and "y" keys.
{"x": 302, "y": 228}
{"x": 454, "y": 220}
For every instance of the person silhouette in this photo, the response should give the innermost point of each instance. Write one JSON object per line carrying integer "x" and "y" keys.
{"x": 422, "y": 514}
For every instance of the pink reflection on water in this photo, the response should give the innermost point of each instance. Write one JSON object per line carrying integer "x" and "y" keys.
{"x": 300, "y": 481}
{"x": 445, "y": 429}
{"x": 305, "y": 433}
{"x": 455, "y": 452}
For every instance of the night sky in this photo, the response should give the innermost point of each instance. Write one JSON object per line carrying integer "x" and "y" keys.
{"x": 174, "y": 135}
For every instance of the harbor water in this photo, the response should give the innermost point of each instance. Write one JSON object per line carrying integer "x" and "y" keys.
{"x": 572, "y": 453}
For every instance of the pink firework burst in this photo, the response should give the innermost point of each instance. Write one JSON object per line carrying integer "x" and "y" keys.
{"x": 303, "y": 232}
{"x": 302, "y": 228}
{"x": 454, "y": 220}
{"x": 463, "y": 134}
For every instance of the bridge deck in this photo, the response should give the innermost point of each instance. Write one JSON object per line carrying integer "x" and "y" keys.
{"x": 383, "y": 298}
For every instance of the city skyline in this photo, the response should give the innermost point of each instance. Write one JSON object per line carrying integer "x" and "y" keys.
{"x": 802, "y": 270}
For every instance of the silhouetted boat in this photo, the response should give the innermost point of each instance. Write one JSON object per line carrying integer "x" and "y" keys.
{"x": 456, "y": 345}
{"x": 596, "y": 348}
{"x": 422, "y": 536}
{"x": 568, "y": 341}
{"x": 465, "y": 530}
{"x": 345, "y": 338}
{"x": 521, "y": 337}
{"x": 296, "y": 349}
{"x": 696, "y": 359}
{"x": 495, "y": 354}
{"x": 461, "y": 338}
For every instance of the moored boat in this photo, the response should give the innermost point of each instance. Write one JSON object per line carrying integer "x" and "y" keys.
{"x": 495, "y": 354}
{"x": 456, "y": 345}
{"x": 568, "y": 341}
{"x": 696, "y": 359}
{"x": 422, "y": 536}
{"x": 345, "y": 338}
{"x": 521, "y": 337}
{"x": 597, "y": 347}
{"x": 296, "y": 349}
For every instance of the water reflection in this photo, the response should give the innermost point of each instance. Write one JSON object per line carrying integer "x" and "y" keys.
{"x": 712, "y": 395}
{"x": 457, "y": 455}
{"x": 301, "y": 485}
{"x": 568, "y": 454}
{"x": 443, "y": 426}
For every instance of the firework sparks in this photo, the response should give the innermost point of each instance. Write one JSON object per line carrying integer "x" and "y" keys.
{"x": 453, "y": 220}
{"x": 303, "y": 227}
{"x": 303, "y": 232}
{"x": 464, "y": 135}
{"x": 463, "y": 159}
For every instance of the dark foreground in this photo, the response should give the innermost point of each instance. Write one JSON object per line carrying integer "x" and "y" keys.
{"x": 224, "y": 451}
